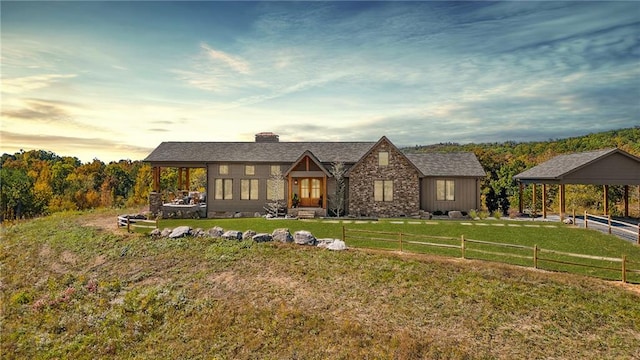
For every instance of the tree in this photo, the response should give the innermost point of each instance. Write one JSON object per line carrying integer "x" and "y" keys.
{"x": 338, "y": 171}
{"x": 15, "y": 193}
{"x": 275, "y": 194}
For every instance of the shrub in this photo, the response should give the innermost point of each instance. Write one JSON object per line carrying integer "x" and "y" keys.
{"x": 482, "y": 215}
{"x": 473, "y": 213}
{"x": 497, "y": 214}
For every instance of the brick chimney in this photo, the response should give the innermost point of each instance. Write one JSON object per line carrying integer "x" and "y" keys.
{"x": 267, "y": 137}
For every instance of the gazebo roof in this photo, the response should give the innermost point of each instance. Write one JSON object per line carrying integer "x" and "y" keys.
{"x": 599, "y": 167}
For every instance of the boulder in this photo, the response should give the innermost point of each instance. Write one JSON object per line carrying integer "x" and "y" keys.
{"x": 256, "y": 214}
{"x": 323, "y": 243}
{"x": 179, "y": 232}
{"x": 215, "y": 232}
{"x": 165, "y": 232}
{"x": 232, "y": 235}
{"x": 282, "y": 235}
{"x": 337, "y": 245}
{"x": 455, "y": 215}
{"x": 568, "y": 221}
{"x": 262, "y": 237}
{"x": 156, "y": 233}
{"x": 248, "y": 234}
{"x": 304, "y": 237}
{"x": 199, "y": 232}
{"x": 238, "y": 215}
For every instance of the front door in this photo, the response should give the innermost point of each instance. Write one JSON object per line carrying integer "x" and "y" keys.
{"x": 310, "y": 192}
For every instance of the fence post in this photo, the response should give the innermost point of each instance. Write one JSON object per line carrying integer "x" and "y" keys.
{"x": 400, "y": 235}
{"x": 574, "y": 218}
{"x": 535, "y": 256}
{"x": 462, "y": 246}
{"x": 128, "y": 225}
{"x": 624, "y": 268}
{"x": 586, "y": 224}
{"x": 344, "y": 235}
{"x": 638, "y": 234}
{"x": 609, "y": 224}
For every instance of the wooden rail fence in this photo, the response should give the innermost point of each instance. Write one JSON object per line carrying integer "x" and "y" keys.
{"x": 534, "y": 254}
{"x": 136, "y": 223}
{"x": 610, "y": 227}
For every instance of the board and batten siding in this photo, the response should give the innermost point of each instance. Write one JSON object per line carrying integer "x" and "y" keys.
{"x": 615, "y": 169}
{"x": 466, "y": 194}
{"x": 236, "y": 173}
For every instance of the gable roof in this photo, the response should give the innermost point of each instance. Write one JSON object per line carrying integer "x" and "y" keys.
{"x": 561, "y": 165}
{"x": 448, "y": 164}
{"x": 313, "y": 158}
{"x": 392, "y": 146}
{"x": 274, "y": 152}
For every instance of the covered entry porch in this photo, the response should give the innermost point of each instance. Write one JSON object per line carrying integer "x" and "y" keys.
{"x": 307, "y": 181}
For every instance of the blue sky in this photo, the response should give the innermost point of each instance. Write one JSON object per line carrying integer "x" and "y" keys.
{"x": 111, "y": 80}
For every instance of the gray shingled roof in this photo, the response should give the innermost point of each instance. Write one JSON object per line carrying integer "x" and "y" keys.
{"x": 348, "y": 152}
{"x": 447, "y": 164}
{"x": 562, "y": 164}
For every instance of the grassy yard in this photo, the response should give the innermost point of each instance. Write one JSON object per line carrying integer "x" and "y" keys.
{"x": 546, "y": 235}
{"x": 72, "y": 290}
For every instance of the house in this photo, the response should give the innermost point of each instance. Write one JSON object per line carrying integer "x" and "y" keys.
{"x": 380, "y": 180}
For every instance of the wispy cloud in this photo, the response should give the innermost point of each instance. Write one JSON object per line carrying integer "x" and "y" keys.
{"x": 235, "y": 63}
{"x": 25, "y": 84}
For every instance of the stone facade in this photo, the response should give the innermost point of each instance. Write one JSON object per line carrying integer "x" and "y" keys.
{"x": 155, "y": 202}
{"x": 406, "y": 184}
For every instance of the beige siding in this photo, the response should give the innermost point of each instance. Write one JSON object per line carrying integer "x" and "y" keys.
{"x": 467, "y": 195}
{"x": 616, "y": 169}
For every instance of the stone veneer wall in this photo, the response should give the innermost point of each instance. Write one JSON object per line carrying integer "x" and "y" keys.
{"x": 155, "y": 202}
{"x": 406, "y": 185}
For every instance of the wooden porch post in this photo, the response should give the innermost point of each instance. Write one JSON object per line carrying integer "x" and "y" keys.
{"x": 544, "y": 201}
{"x": 186, "y": 178}
{"x": 179, "y": 178}
{"x": 156, "y": 178}
{"x": 561, "y": 202}
{"x": 324, "y": 191}
{"x": 290, "y": 189}
{"x": 520, "y": 208}
{"x": 626, "y": 201}
{"x": 606, "y": 199}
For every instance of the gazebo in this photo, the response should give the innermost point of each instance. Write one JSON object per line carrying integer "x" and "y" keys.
{"x": 601, "y": 167}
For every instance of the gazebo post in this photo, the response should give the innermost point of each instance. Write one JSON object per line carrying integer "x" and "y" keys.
{"x": 606, "y": 200}
{"x": 544, "y": 201}
{"x": 179, "y": 178}
{"x": 520, "y": 208}
{"x": 561, "y": 202}
{"x": 626, "y": 201}
{"x": 186, "y": 178}
{"x": 533, "y": 201}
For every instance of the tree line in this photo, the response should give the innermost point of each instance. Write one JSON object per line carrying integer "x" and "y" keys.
{"x": 39, "y": 182}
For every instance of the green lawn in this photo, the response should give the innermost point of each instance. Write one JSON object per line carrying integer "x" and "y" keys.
{"x": 72, "y": 290}
{"x": 546, "y": 235}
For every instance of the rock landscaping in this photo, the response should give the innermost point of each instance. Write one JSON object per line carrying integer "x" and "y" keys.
{"x": 301, "y": 237}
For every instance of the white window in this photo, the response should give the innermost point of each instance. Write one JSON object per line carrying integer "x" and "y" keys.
{"x": 445, "y": 190}
{"x": 223, "y": 169}
{"x": 249, "y": 189}
{"x": 223, "y": 189}
{"x": 383, "y": 158}
{"x": 249, "y": 170}
{"x": 383, "y": 190}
